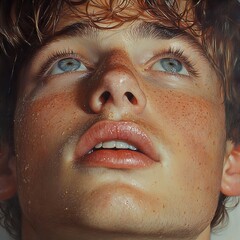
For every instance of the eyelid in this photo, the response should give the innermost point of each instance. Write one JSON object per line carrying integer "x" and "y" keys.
{"x": 54, "y": 57}
{"x": 175, "y": 54}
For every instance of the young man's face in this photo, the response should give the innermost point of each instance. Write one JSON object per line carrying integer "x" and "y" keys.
{"x": 136, "y": 86}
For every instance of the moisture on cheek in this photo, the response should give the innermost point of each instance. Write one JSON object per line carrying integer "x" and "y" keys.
{"x": 42, "y": 125}
{"x": 43, "y": 113}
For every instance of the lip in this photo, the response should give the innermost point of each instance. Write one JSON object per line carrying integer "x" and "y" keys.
{"x": 121, "y": 159}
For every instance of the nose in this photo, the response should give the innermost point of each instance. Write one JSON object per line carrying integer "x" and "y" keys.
{"x": 117, "y": 89}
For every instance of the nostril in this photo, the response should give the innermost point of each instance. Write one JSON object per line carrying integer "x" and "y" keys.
{"x": 131, "y": 98}
{"x": 104, "y": 97}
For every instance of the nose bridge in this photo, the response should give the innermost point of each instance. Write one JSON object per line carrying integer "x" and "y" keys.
{"x": 117, "y": 86}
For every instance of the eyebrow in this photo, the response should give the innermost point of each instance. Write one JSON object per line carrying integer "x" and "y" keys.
{"x": 159, "y": 31}
{"x": 145, "y": 30}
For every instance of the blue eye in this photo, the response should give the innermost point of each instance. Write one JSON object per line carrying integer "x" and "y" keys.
{"x": 170, "y": 65}
{"x": 67, "y": 65}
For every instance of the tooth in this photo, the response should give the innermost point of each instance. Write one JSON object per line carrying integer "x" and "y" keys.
{"x": 99, "y": 145}
{"x": 132, "y": 148}
{"x": 125, "y": 145}
{"x": 110, "y": 144}
{"x": 120, "y": 144}
{"x": 115, "y": 144}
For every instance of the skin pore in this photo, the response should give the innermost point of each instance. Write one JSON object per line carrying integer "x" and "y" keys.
{"x": 119, "y": 79}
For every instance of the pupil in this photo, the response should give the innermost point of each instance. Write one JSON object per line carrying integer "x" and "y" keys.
{"x": 171, "y": 65}
{"x": 69, "y": 64}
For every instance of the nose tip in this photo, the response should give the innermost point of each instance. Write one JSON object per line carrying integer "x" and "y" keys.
{"x": 119, "y": 89}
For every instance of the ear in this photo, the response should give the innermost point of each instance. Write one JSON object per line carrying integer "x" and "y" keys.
{"x": 7, "y": 173}
{"x": 230, "y": 185}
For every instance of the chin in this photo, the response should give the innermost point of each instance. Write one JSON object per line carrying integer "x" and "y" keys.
{"x": 114, "y": 208}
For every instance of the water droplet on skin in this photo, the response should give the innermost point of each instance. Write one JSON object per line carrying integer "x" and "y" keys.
{"x": 110, "y": 115}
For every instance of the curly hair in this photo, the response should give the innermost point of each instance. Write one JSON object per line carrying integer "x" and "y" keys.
{"x": 216, "y": 22}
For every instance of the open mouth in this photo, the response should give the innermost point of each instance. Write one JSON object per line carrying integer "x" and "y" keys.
{"x": 115, "y": 145}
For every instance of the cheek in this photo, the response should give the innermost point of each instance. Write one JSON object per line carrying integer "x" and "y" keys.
{"x": 43, "y": 120}
{"x": 41, "y": 128}
{"x": 193, "y": 130}
{"x": 192, "y": 133}
{"x": 193, "y": 122}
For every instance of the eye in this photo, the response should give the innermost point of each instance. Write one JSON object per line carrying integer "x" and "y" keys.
{"x": 170, "y": 65}
{"x": 67, "y": 65}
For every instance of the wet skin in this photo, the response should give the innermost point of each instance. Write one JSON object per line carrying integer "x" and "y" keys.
{"x": 124, "y": 83}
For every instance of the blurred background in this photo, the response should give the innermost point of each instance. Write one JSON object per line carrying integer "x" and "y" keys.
{"x": 232, "y": 230}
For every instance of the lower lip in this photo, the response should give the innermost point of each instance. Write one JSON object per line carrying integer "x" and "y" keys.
{"x": 117, "y": 159}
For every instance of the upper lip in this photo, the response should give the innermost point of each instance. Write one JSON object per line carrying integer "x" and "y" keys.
{"x": 110, "y": 130}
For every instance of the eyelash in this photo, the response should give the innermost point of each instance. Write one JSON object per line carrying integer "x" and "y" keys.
{"x": 170, "y": 53}
{"x": 180, "y": 56}
{"x": 56, "y": 56}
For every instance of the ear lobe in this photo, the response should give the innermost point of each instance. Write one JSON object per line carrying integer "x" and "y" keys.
{"x": 230, "y": 185}
{"x": 7, "y": 173}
